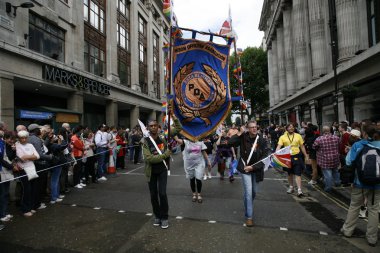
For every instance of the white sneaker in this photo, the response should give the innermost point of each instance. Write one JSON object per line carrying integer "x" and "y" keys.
{"x": 42, "y": 206}
{"x": 52, "y": 202}
{"x": 10, "y": 216}
{"x": 78, "y": 186}
{"x": 363, "y": 212}
{"x": 61, "y": 196}
{"x": 82, "y": 184}
{"x": 204, "y": 177}
{"x": 28, "y": 214}
{"x": 209, "y": 175}
{"x": 312, "y": 182}
{"x": 290, "y": 190}
{"x": 33, "y": 211}
{"x": 103, "y": 178}
{"x": 5, "y": 218}
{"x": 58, "y": 200}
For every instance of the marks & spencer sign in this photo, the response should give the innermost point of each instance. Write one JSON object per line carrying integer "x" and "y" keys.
{"x": 55, "y": 74}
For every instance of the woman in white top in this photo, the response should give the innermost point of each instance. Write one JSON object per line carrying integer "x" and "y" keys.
{"x": 194, "y": 156}
{"x": 26, "y": 154}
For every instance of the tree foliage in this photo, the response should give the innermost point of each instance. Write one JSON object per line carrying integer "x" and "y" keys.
{"x": 254, "y": 65}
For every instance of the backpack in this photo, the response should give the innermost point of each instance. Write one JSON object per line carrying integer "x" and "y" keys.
{"x": 367, "y": 165}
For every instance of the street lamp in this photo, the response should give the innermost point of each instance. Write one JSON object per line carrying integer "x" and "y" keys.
{"x": 8, "y": 7}
{"x": 334, "y": 52}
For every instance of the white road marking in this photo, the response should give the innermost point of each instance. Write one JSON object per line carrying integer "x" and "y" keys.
{"x": 74, "y": 205}
{"x": 121, "y": 211}
{"x": 283, "y": 229}
{"x": 97, "y": 208}
{"x": 323, "y": 233}
{"x": 148, "y": 214}
{"x": 212, "y": 221}
{"x": 179, "y": 217}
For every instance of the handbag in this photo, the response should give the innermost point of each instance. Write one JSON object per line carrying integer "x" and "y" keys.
{"x": 31, "y": 172}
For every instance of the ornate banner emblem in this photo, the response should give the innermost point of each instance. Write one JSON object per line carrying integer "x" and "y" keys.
{"x": 201, "y": 86}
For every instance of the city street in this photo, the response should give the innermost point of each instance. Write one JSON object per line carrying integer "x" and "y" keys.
{"x": 115, "y": 216}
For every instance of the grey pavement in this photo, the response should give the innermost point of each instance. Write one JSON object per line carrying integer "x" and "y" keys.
{"x": 115, "y": 216}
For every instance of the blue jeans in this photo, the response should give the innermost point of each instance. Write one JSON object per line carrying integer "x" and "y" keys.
{"x": 131, "y": 152}
{"x": 250, "y": 189}
{"x": 4, "y": 193}
{"x": 54, "y": 182}
{"x": 102, "y": 161}
{"x": 329, "y": 175}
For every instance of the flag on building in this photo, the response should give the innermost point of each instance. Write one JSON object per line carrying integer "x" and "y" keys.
{"x": 167, "y": 9}
{"x": 164, "y": 107}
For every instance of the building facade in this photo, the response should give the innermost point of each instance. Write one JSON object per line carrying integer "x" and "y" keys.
{"x": 83, "y": 62}
{"x": 301, "y": 38}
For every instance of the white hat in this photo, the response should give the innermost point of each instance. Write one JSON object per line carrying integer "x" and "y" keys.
{"x": 355, "y": 133}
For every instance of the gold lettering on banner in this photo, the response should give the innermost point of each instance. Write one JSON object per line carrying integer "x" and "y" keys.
{"x": 204, "y": 46}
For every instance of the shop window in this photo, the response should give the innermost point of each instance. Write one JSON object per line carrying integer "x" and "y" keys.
{"x": 373, "y": 8}
{"x": 122, "y": 37}
{"x": 123, "y": 7}
{"x": 94, "y": 15}
{"x": 124, "y": 73}
{"x": 46, "y": 38}
{"x": 94, "y": 60}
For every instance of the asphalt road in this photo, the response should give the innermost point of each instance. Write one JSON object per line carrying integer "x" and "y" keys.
{"x": 115, "y": 216}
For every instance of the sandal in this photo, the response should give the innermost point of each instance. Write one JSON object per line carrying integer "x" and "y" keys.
{"x": 194, "y": 197}
{"x": 200, "y": 200}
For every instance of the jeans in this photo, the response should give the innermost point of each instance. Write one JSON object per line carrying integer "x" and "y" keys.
{"x": 4, "y": 192}
{"x": 26, "y": 199}
{"x": 158, "y": 197}
{"x": 250, "y": 189}
{"x": 329, "y": 175}
{"x": 102, "y": 161}
{"x": 131, "y": 152}
{"x": 54, "y": 182}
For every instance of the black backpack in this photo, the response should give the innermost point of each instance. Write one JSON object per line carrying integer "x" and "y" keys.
{"x": 367, "y": 165}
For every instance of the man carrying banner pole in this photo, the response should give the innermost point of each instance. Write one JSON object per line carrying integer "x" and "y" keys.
{"x": 253, "y": 148}
{"x": 157, "y": 153}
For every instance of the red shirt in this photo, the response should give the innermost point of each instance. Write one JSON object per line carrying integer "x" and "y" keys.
{"x": 343, "y": 142}
{"x": 78, "y": 146}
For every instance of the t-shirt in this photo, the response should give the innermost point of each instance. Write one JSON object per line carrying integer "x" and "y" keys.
{"x": 157, "y": 168}
{"x": 294, "y": 140}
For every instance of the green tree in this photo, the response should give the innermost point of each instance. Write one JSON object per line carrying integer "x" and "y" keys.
{"x": 254, "y": 64}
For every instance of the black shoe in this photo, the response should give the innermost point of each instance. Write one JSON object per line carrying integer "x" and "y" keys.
{"x": 372, "y": 244}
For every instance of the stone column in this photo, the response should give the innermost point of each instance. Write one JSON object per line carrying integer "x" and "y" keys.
{"x": 7, "y": 102}
{"x": 134, "y": 115}
{"x": 111, "y": 51}
{"x": 112, "y": 113}
{"x": 300, "y": 45}
{"x": 341, "y": 110}
{"x": 280, "y": 118}
{"x": 318, "y": 45}
{"x": 281, "y": 63}
{"x": 289, "y": 56}
{"x": 75, "y": 103}
{"x": 297, "y": 110}
{"x": 153, "y": 115}
{"x": 276, "y": 89}
{"x": 134, "y": 45}
{"x": 347, "y": 19}
{"x": 270, "y": 77}
{"x": 313, "y": 112}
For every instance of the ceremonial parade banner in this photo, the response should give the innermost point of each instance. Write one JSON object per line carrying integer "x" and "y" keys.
{"x": 202, "y": 97}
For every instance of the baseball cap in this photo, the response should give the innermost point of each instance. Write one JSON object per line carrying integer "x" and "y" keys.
{"x": 33, "y": 126}
{"x": 355, "y": 133}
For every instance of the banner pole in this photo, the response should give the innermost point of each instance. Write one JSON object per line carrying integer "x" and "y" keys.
{"x": 169, "y": 89}
{"x": 239, "y": 80}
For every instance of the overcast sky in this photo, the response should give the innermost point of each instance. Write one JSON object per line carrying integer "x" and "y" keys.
{"x": 205, "y": 15}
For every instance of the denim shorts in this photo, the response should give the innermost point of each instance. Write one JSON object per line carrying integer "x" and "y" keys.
{"x": 298, "y": 165}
